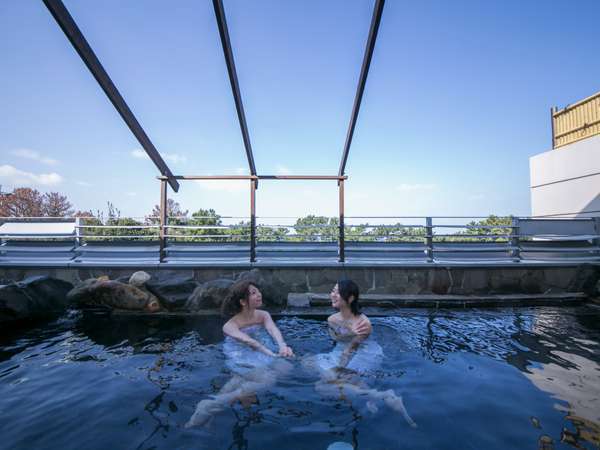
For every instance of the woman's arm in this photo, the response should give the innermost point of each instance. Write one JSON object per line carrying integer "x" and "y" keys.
{"x": 272, "y": 329}
{"x": 231, "y": 329}
{"x": 362, "y": 326}
{"x": 363, "y": 329}
{"x": 346, "y": 355}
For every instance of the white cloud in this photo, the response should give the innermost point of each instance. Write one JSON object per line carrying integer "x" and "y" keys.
{"x": 13, "y": 176}
{"x": 224, "y": 185}
{"x": 83, "y": 183}
{"x": 35, "y": 156}
{"x": 139, "y": 153}
{"x": 174, "y": 158}
{"x": 282, "y": 170}
{"x": 405, "y": 187}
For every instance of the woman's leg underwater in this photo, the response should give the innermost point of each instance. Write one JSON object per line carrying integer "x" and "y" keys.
{"x": 238, "y": 388}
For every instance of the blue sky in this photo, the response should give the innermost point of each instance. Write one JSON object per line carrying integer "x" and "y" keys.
{"x": 457, "y": 100}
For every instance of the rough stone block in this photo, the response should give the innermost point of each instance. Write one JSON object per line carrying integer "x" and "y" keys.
{"x": 438, "y": 281}
{"x": 298, "y": 300}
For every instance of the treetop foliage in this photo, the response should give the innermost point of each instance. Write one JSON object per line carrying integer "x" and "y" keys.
{"x": 205, "y": 225}
{"x": 27, "y": 202}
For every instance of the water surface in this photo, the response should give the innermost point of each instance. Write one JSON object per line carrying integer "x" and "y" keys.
{"x": 489, "y": 378}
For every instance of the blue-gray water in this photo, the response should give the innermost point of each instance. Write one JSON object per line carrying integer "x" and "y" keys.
{"x": 493, "y": 379}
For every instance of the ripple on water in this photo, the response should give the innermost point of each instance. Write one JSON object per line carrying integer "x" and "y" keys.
{"x": 474, "y": 378}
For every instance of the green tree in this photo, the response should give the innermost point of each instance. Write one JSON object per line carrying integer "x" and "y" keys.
{"x": 212, "y": 226}
{"x": 317, "y": 228}
{"x": 496, "y": 227}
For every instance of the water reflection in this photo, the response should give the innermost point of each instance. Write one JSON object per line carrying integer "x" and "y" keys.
{"x": 150, "y": 373}
{"x": 566, "y": 366}
{"x": 557, "y": 349}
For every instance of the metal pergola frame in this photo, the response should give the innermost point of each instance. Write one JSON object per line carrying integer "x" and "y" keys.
{"x": 77, "y": 39}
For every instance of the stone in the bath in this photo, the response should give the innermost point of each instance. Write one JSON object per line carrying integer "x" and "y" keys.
{"x": 33, "y": 298}
{"x": 209, "y": 295}
{"x": 139, "y": 278}
{"x": 172, "y": 293}
{"x": 298, "y": 300}
{"x": 274, "y": 291}
{"x": 81, "y": 291}
{"x": 114, "y": 294}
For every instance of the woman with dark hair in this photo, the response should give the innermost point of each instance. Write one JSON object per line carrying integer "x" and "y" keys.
{"x": 249, "y": 351}
{"x": 355, "y": 354}
{"x": 350, "y": 329}
{"x": 242, "y": 303}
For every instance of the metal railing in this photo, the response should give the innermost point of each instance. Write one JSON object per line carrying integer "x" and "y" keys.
{"x": 434, "y": 238}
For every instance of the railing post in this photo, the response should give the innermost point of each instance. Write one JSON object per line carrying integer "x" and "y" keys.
{"x": 77, "y": 231}
{"x": 253, "y": 220}
{"x": 341, "y": 242}
{"x": 515, "y": 252}
{"x": 429, "y": 238}
{"x": 162, "y": 220}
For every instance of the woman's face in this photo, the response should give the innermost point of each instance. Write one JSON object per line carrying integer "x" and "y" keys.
{"x": 335, "y": 297}
{"x": 254, "y": 297}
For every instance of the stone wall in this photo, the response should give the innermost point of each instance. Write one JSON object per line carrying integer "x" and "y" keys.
{"x": 374, "y": 280}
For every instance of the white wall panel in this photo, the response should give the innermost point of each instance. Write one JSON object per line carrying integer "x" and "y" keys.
{"x": 570, "y": 161}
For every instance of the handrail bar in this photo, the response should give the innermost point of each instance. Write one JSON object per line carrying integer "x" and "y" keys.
{"x": 118, "y": 226}
{"x": 207, "y": 227}
{"x": 206, "y": 235}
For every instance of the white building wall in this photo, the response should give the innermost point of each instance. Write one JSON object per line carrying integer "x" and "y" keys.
{"x": 566, "y": 181}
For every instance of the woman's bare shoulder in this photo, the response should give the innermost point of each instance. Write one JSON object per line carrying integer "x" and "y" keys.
{"x": 230, "y": 325}
{"x": 334, "y": 318}
{"x": 262, "y": 314}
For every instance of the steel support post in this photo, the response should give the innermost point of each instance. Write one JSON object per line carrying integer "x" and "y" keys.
{"x": 162, "y": 220}
{"x": 429, "y": 238}
{"x": 81, "y": 46}
{"x": 253, "y": 184}
{"x": 362, "y": 80}
{"x": 515, "y": 252}
{"x": 341, "y": 242}
{"x": 77, "y": 231}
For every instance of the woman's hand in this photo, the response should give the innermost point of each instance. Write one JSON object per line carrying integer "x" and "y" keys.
{"x": 268, "y": 352}
{"x": 362, "y": 326}
{"x": 285, "y": 351}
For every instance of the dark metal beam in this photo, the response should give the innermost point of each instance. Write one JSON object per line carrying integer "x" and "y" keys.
{"x": 73, "y": 33}
{"x": 235, "y": 87}
{"x": 253, "y": 184}
{"x": 256, "y": 177}
{"x": 163, "y": 218}
{"x": 364, "y": 71}
{"x": 301, "y": 177}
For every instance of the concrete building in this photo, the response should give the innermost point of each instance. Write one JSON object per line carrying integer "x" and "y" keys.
{"x": 565, "y": 181}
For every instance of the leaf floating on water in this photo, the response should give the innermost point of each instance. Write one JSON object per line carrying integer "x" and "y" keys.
{"x": 535, "y": 422}
{"x": 545, "y": 443}
{"x": 133, "y": 421}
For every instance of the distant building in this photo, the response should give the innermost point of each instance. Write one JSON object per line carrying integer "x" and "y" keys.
{"x": 565, "y": 181}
